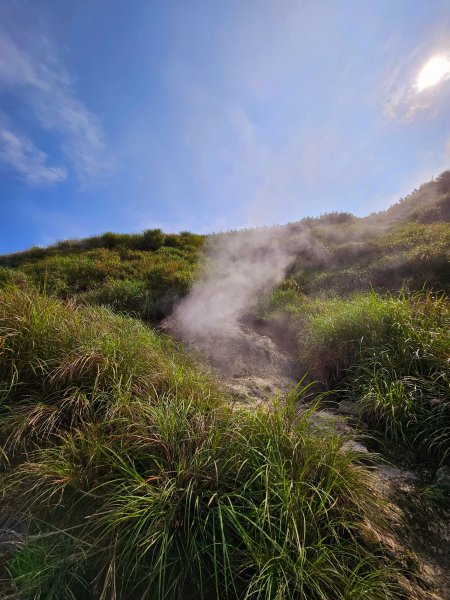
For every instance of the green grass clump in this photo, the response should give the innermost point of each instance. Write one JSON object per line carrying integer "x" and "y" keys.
{"x": 140, "y": 481}
{"x": 13, "y": 277}
{"x": 62, "y": 365}
{"x": 332, "y": 331}
{"x": 402, "y": 385}
{"x": 128, "y": 296}
{"x": 44, "y": 569}
{"x": 224, "y": 504}
{"x": 390, "y": 354}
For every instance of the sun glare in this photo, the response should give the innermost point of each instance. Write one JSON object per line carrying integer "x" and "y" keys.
{"x": 434, "y": 71}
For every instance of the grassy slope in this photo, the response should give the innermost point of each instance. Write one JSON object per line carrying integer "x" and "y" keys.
{"x": 408, "y": 245}
{"x": 140, "y": 274}
{"x": 390, "y": 355}
{"x": 141, "y": 482}
{"x": 129, "y": 460}
{"x": 371, "y": 317}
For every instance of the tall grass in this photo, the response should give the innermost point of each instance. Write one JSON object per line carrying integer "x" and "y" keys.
{"x": 361, "y": 256}
{"x": 141, "y": 482}
{"x": 390, "y": 353}
{"x": 331, "y": 332}
{"x": 62, "y": 366}
{"x": 403, "y": 384}
{"x": 234, "y": 505}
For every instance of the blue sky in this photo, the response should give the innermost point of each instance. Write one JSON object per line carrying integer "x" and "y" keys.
{"x": 209, "y": 115}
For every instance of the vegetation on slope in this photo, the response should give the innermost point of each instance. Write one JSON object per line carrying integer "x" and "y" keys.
{"x": 137, "y": 479}
{"x": 387, "y": 353}
{"x": 140, "y": 481}
{"x": 141, "y": 274}
{"x": 410, "y": 255}
{"x": 146, "y": 274}
{"x": 371, "y": 317}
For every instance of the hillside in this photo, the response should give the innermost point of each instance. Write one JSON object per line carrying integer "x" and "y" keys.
{"x": 406, "y": 245}
{"x": 256, "y": 414}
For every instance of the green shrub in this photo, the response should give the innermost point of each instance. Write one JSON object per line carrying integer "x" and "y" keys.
{"x": 152, "y": 239}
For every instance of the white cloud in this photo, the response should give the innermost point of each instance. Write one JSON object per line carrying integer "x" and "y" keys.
{"x": 31, "y": 70}
{"x": 30, "y": 162}
{"x": 226, "y": 143}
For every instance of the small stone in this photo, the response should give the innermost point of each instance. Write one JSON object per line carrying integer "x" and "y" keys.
{"x": 354, "y": 446}
{"x": 347, "y": 407}
{"x": 442, "y": 479}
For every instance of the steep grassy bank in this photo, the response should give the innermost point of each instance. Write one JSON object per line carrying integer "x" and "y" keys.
{"x": 389, "y": 354}
{"x": 138, "y": 480}
{"x": 407, "y": 246}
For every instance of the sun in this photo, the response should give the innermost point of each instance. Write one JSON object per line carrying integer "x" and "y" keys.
{"x": 434, "y": 71}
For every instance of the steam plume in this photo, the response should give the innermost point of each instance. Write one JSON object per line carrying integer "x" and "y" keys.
{"x": 241, "y": 268}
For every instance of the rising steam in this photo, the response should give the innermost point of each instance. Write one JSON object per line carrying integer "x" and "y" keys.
{"x": 241, "y": 269}
{"x": 242, "y": 266}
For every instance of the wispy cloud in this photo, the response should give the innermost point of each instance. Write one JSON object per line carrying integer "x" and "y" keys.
{"x": 31, "y": 71}
{"x": 410, "y": 90}
{"x": 226, "y": 143}
{"x": 22, "y": 155}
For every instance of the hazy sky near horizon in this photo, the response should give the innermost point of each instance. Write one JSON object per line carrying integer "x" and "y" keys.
{"x": 209, "y": 115}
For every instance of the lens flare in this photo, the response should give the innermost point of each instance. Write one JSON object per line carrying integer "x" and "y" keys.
{"x": 433, "y": 72}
